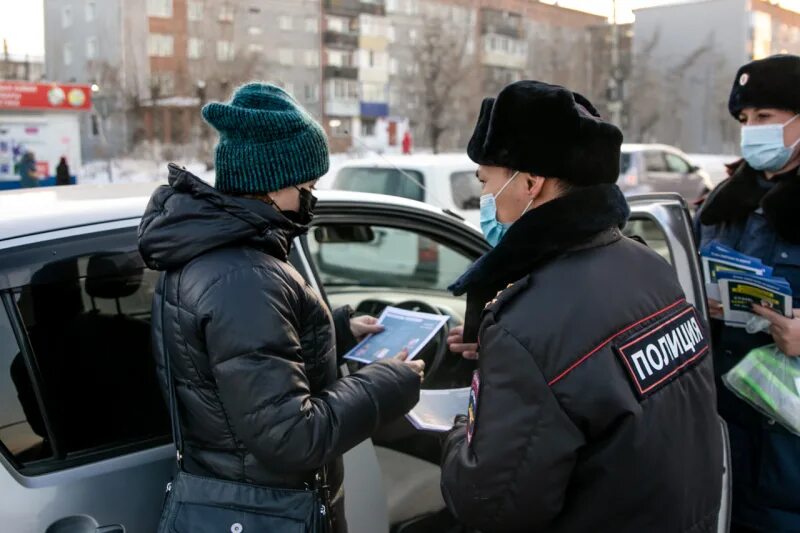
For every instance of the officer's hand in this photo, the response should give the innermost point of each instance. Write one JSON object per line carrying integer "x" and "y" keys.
{"x": 456, "y": 343}
{"x": 361, "y": 326}
{"x": 417, "y": 365}
{"x": 715, "y": 309}
{"x": 785, "y": 331}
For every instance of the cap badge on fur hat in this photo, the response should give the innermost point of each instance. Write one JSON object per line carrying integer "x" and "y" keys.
{"x": 744, "y": 78}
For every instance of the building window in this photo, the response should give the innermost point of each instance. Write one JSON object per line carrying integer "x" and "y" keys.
{"x": 160, "y": 45}
{"x": 255, "y": 48}
{"x": 338, "y": 25}
{"x": 312, "y": 25}
{"x": 195, "y": 48}
{"x": 311, "y": 92}
{"x": 195, "y": 10}
{"x": 164, "y": 82}
{"x": 91, "y": 10}
{"x": 66, "y": 16}
{"x": 367, "y": 127}
{"x": 159, "y": 8}
{"x": 91, "y": 48}
{"x": 340, "y": 58}
{"x": 255, "y": 30}
{"x": 343, "y": 89}
{"x": 67, "y": 54}
{"x": 373, "y": 92}
{"x": 285, "y": 22}
{"x": 285, "y": 56}
{"x": 390, "y": 34}
{"x": 225, "y": 51}
{"x": 394, "y": 67}
{"x": 226, "y": 13}
{"x": 343, "y": 128}
{"x": 412, "y": 35}
{"x": 312, "y": 58}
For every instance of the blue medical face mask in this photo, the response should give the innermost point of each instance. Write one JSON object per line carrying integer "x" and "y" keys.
{"x": 492, "y": 228}
{"x": 763, "y": 148}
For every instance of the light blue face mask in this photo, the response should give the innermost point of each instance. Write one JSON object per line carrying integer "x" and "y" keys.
{"x": 492, "y": 228}
{"x": 763, "y": 148}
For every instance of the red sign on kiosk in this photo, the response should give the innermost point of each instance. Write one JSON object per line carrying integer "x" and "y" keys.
{"x": 20, "y": 95}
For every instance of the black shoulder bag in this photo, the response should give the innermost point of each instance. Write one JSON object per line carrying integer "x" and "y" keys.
{"x": 196, "y": 504}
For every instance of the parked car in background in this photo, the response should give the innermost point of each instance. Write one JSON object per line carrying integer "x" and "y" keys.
{"x": 646, "y": 168}
{"x": 446, "y": 181}
{"x": 715, "y": 165}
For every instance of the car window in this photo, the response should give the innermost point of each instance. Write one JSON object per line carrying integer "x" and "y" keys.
{"x": 88, "y": 323}
{"x": 466, "y": 190}
{"x": 651, "y": 233}
{"x": 406, "y": 184}
{"x": 625, "y": 160}
{"x": 21, "y": 431}
{"x": 654, "y": 161}
{"x": 386, "y": 257}
{"x": 677, "y": 164}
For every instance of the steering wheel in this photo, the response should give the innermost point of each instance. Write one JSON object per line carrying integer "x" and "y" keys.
{"x": 432, "y": 362}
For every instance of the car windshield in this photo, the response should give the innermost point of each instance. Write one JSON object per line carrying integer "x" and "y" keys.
{"x": 394, "y": 182}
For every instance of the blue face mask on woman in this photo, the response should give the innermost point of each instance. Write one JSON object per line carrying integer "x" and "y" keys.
{"x": 763, "y": 148}
{"x": 492, "y": 228}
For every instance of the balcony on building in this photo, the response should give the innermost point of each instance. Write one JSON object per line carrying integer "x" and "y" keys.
{"x": 498, "y": 22}
{"x": 353, "y": 8}
{"x": 503, "y": 51}
{"x": 346, "y": 73}
{"x": 341, "y": 98}
{"x": 340, "y": 40}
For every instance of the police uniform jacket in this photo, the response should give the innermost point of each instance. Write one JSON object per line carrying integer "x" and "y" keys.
{"x": 593, "y": 408}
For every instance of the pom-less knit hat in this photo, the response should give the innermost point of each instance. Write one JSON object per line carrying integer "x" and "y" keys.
{"x": 267, "y": 141}
{"x": 770, "y": 82}
{"x": 549, "y": 131}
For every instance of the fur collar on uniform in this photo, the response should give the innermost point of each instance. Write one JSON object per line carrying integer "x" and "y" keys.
{"x": 544, "y": 233}
{"x": 745, "y": 191}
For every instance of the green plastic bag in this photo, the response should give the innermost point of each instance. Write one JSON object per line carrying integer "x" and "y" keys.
{"x": 770, "y": 382}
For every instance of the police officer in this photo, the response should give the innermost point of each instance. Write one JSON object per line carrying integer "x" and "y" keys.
{"x": 592, "y": 408}
{"x": 755, "y": 212}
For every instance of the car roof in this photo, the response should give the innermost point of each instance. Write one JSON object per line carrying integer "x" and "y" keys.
{"x": 629, "y": 148}
{"x": 31, "y": 211}
{"x": 414, "y": 162}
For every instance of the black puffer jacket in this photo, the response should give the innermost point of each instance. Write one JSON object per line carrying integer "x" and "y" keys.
{"x": 252, "y": 345}
{"x": 595, "y": 406}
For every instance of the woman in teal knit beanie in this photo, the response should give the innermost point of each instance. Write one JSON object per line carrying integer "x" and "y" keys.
{"x": 252, "y": 348}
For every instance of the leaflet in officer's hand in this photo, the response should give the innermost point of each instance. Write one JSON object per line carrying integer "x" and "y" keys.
{"x": 718, "y": 258}
{"x": 404, "y": 329}
{"x": 437, "y": 409}
{"x": 740, "y": 291}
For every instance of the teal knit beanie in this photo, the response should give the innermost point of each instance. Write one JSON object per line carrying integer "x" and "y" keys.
{"x": 267, "y": 141}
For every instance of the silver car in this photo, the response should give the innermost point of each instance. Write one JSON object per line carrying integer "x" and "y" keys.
{"x": 648, "y": 168}
{"x": 84, "y": 439}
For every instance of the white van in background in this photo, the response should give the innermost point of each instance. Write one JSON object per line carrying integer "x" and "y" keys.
{"x": 446, "y": 181}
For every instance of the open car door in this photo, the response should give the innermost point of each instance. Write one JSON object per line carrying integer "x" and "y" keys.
{"x": 664, "y": 222}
